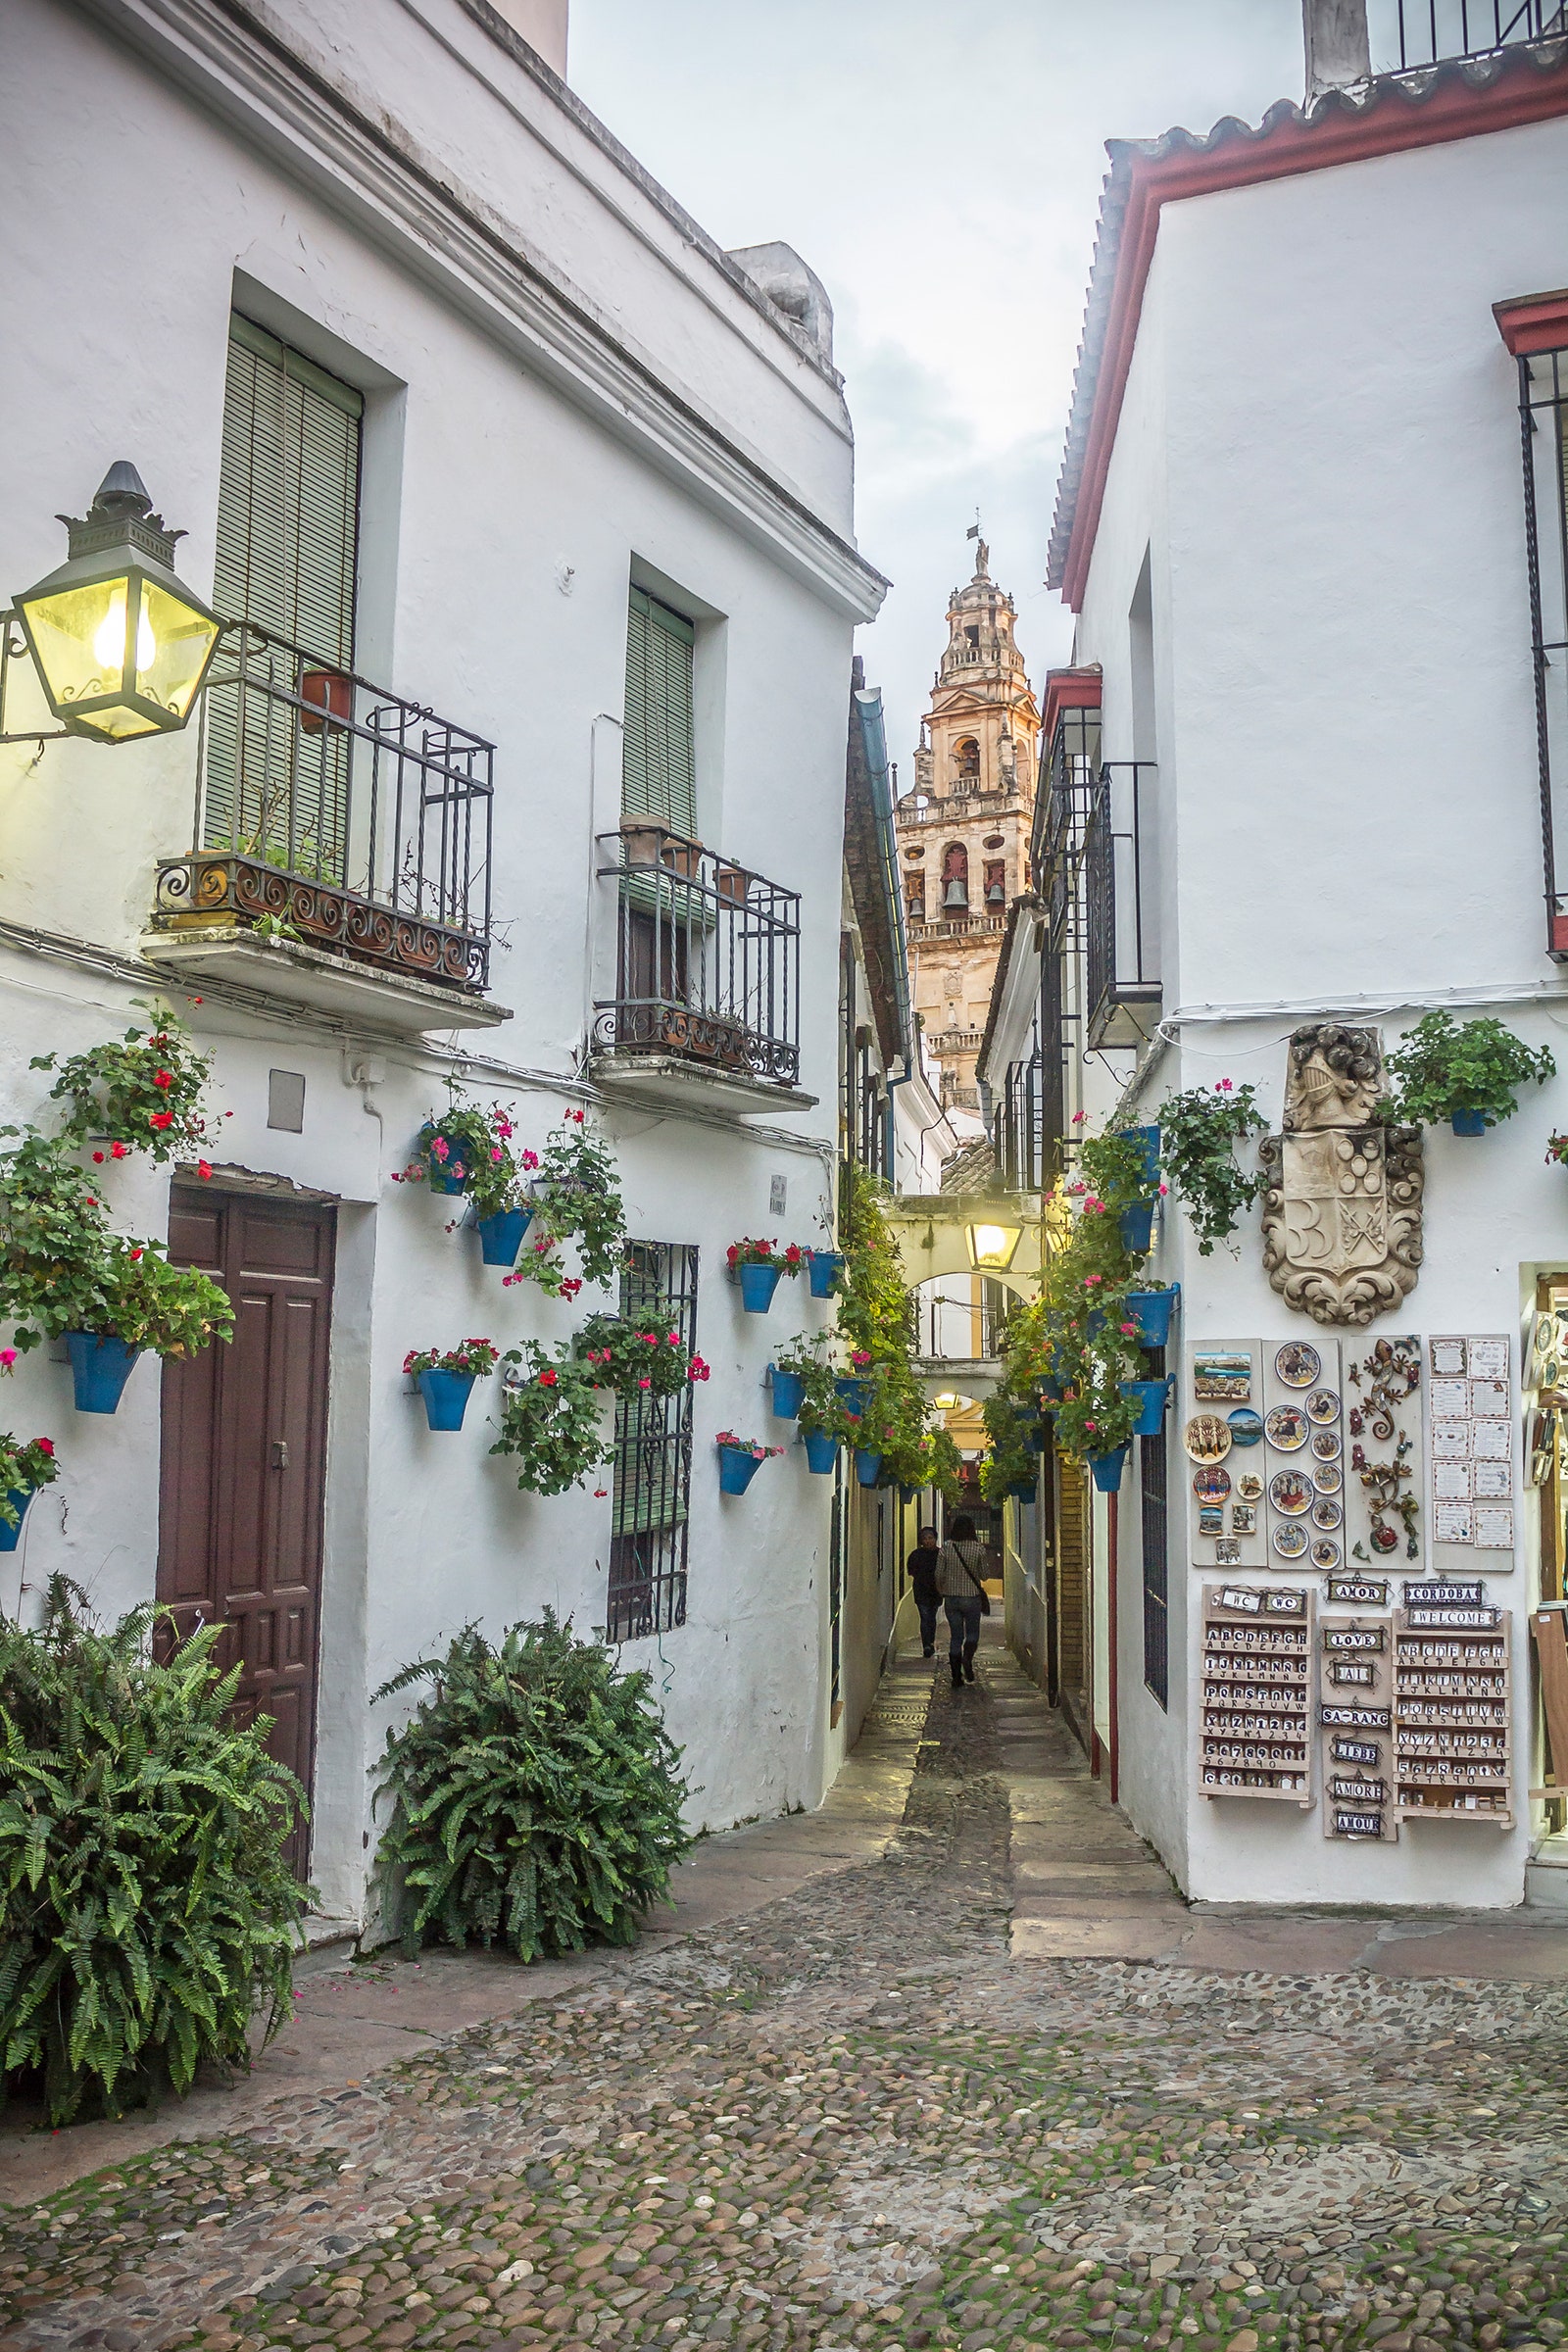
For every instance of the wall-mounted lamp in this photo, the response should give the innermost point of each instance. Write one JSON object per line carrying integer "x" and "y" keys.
{"x": 121, "y": 643}
{"x": 992, "y": 1247}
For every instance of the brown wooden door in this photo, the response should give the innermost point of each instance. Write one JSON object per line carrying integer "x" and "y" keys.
{"x": 244, "y": 1456}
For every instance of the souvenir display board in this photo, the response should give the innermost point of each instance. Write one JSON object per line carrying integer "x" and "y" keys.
{"x": 1385, "y": 1492}
{"x": 1452, "y": 1703}
{"x": 1471, "y": 1397}
{"x": 1226, "y": 1457}
{"x": 1355, "y": 1727}
{"x": 1303, "y": 1441}
{"x": 1254, "y": 1736}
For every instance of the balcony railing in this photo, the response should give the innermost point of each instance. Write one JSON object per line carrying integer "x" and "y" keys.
{"x": 1027, "y": 1123}
{"x": 332, "y": 812}
{"x": 1409, "y": 35}
{"x": 707, "y": 960}
{"x": 956, "y": 926}
{"x": 1121, "y": 975}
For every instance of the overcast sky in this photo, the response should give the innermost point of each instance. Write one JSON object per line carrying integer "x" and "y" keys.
{"x": 938, "y": 162}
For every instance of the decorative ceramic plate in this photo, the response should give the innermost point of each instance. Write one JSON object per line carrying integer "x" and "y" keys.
{"x": 1207, "y": 1437}
{"x": 1322, "y": 1406}
{"x": 1212, "y": 1485}
{"x": 1326, "y": 1444}
{"x": 1287, "y": 1428}
{"x": 1290, "y": 1493}
{"x": 1325, "y": 1554}
{"x": 1328, "y": 1478}
{"x": 1296, "y": 1364}
{"x": 1247, "y": 1427}
{"x": 1326, "y": 1513}
{"x": 1290, "y": 1542}
{"x": 1250, "y": 1486}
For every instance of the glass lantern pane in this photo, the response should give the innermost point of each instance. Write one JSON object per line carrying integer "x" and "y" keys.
{"x": 79, "y": 637}
{"x": 172, "y": 644}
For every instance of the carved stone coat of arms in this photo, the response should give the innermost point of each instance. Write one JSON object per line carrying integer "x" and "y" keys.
{"x": 1342, "y": 1215}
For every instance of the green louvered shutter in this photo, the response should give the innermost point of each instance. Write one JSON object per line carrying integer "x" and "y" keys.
{"x": 287, "y": 546}
{"x": 658, "y": 774}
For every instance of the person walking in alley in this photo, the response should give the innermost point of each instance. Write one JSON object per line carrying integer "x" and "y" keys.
{"x": 922, "y": 1570}
{"x": 960, "y": 1568}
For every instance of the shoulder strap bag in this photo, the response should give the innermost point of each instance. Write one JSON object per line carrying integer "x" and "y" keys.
{"x": 985, "y": 1598}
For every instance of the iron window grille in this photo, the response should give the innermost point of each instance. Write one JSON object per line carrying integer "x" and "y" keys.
{"x": 1543, "y": 428}
{"x": 651, "y": 1488}
{"x": 1153, "y": 1483}
{"x": 1423, "y": 33}
{"x": 1121, "y": 982}
{"x": 707, "y": 959}
{"x": 360, "y": 820}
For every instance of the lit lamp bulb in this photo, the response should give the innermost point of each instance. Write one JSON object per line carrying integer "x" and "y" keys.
{"x": 109, "y": 639}
{"x": 992, "y": 1247}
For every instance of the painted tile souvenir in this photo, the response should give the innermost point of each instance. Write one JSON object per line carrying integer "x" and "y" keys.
{"x": 1222, "y": 1376}
{"x": 1325, "y": 1553}
{"x": 1297, "y": 1364}
{"x": 1243, "y": 1519}
{"x": 1327, "y": 1445}
{"x": 1290, "y": 1542}
{"x": 1290, "y": 1493}
{"x": 1327, "y": 1477}
{"x": 1286, "y": 1425}
{"x": 1207, "y": 1437}
{"x": 1211, "y": 1519}
{"x": 1211, "y": 1485}
{"x": 1250, "y": 1486}
{"x": 1323, "y": 1406}
{"x": 1247, "y": 1426}
{"x": 1472, "y": 1441}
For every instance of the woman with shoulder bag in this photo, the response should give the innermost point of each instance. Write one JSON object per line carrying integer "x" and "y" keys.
{"x": 961, "y": 1570}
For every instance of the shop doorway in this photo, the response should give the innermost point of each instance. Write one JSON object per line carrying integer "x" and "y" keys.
{"x": 244, "y": 1457}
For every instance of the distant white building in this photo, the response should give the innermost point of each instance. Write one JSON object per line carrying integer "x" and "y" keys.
{"x": 1302, "y": 770}
{"x": 545, "y": 503}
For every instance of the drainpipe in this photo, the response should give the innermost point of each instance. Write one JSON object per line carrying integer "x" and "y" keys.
{"x": 1338, "y": 53}
{"x": 1113, "y": 1707}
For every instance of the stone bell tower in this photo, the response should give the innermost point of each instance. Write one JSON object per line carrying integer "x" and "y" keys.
{"x": 963, "y": 832}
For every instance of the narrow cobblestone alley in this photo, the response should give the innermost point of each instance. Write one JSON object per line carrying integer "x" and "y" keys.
{"x": 860, "y": 2112}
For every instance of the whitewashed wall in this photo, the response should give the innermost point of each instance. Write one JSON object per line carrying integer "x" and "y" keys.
{"x": 506, "y": 502}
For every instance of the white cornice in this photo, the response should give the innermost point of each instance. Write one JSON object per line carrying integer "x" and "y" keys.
{"x": 370, "y": 172}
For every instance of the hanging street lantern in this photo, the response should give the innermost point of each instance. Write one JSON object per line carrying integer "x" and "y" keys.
{"x": 992, "y": 1247}
{"x": 121, "y": 643}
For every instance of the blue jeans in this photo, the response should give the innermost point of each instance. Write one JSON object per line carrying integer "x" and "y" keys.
{"x": 928, "y": 1620}
{"x": 963, "y": 1624}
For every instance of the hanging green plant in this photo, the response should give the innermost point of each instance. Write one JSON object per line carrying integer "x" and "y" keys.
{"x": 23, "y": 1469}
{"x": 536, "y": 1797}
{"x": 1010, "y": 1460}
{"x": 1466, "y": 1071}
{"x": 552, "y": 1419}
{"x": 1198, "y": 1133}
{"x": 141, "y": 1093}
{"x": 637, "y": 1358}
{"x": 146, "y": 1911}
{"x": 577, "y": 1196}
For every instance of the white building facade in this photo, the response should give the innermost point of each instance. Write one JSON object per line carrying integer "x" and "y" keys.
{"x": 1300, "y": 772}
{"x": 547, "y": 503}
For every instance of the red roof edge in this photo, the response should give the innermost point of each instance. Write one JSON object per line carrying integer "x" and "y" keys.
{"x": 1067, "y": 690}
{"x": 1463, "y": 99}
{"x": 1533, "y": 323}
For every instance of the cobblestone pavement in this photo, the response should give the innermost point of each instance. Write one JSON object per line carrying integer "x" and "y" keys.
{"x": 853, "y": 2117}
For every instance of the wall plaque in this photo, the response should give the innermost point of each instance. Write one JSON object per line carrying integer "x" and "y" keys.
{"x": 1356, "y": 1654}
{"x": 1471, "y": 1400}
{"x": 1256, "y": 1723}
{"x": 1342, "y": 1215}
{"x": 1452, "y": 1712}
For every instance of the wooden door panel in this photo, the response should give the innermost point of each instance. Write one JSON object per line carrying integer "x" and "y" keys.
{"x": 244, "y": 1457}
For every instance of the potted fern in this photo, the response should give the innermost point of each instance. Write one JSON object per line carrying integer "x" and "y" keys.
{"x": 1467, "y": 1073}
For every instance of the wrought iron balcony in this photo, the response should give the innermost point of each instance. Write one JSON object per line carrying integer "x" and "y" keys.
{"x": 334, "y": 813}
{"x": 1121, "y": 973}
{"x": 1027, "y": 1119}
{"x": 1407, "y": 35}
{"x": 706, "y": 971}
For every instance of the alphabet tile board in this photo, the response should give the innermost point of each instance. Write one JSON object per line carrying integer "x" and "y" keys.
{"x": 1451, "y": 1704}
{"x": 1355, "y": 1727}
{"x": 1255, "y": 1728}
{"x": 1470, "y": 1391}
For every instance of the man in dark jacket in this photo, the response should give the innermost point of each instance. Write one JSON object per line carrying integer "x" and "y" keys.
{"x": 922, "y": 1567}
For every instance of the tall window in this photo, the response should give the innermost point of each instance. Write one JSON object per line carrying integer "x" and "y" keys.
{"x": 1543, "y": 398}
{"x": 658, "y": 774}
{"x": 650, "y": 1491}
{"x": 288, "y": 503}
{"x": 1153, "y": 1479}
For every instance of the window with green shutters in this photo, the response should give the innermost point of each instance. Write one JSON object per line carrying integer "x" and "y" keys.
{"x": 659, "y": 775}
{"x": 287, "y": 549}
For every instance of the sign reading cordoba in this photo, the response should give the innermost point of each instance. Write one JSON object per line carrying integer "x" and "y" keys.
{"x": 1342, "y": 1215}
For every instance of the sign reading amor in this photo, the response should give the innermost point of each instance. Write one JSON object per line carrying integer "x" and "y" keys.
{"x": 1342, "y": 1215}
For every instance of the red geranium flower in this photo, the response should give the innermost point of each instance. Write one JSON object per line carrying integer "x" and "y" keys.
{"x": 547, "y": 1380}
{"x": 45, "y": 1444}
{"x": 159, "y": 1118}
{"x": 163, "y": 1077}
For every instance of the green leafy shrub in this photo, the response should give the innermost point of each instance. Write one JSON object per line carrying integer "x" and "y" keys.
{"x": 1009, "y": 1462}
{"x": 637, "y": 1358}
{"x": 1199, "y": 1131}
{"x": 25, "y": 1468}
{"x": 551, "y": 1419}
{"x": 144, "y": 1090}
{"x": 148, "y": 1912}
{"x": 578, "y": 1196}
{"x": 1443, "y": 1066}
{"x": 536, "y": 1799}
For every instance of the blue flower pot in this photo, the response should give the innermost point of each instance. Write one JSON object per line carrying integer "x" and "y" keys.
{"x": 1150, "y": 1396}
{"x": 1152, "y": 1311}
{"x": 19, "y": 1498}
{"x": 1095, "y": 1322}
{"x": 1023, "y": 1489}
{"x": 855, "y": 1393}
{"x": 758, "y": 1285}
{"x": 1050, "y": 1392}
{"x": 789, "y": 1393}
{"x": 867, "y": 1466}
{"x": 822, "y": 1452}
{"x": 736, "y": 1469}
{"x": 1137, "y": 1228}
{"x": 1469, "y": 1122}
{"x": 1034, "y": 1436}
{"x": 99, "y": 1370}
{"x": 501, "y": 1236}
{"x": 823, "y": 1269}
{"x": 439, "y": 1181}
{"x": 1148, "y": 1141}
{"x": 1107, "y": 1468}
{"x": 446, "y": 1397}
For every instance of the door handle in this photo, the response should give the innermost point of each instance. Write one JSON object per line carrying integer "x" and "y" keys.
{"x": 280, "y": 1454}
